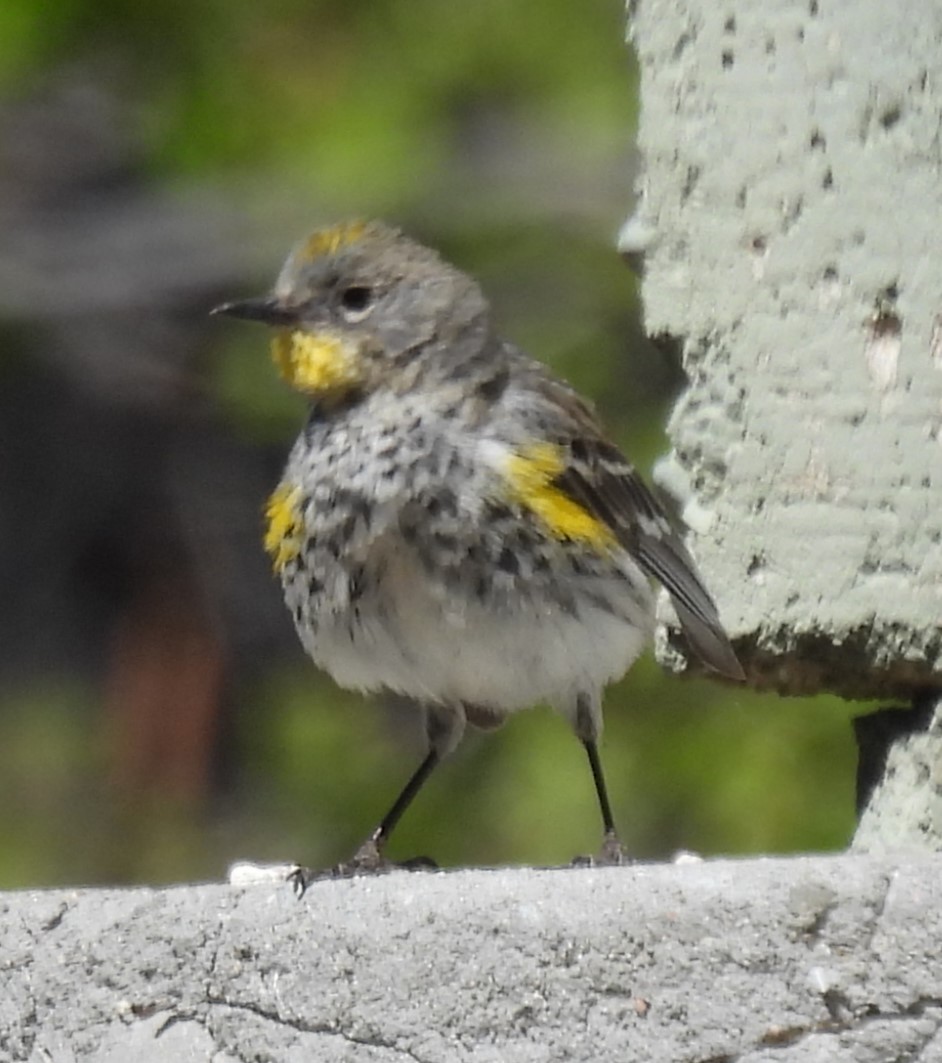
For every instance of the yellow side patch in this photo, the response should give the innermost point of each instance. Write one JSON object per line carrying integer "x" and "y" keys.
{"x": 315, "y": 363}
{"x": 530, "y": 475}
{"x": 330, "y": 241}
{"x": 284, "y": 526}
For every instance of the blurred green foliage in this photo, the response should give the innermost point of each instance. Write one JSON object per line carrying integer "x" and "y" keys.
{"x": 502, "y": 133}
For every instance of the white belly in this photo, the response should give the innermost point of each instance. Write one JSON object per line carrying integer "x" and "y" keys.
{"x": 412, "y": 639}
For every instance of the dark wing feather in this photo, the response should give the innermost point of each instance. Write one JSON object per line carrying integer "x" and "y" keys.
{"x": 600, "y": 480}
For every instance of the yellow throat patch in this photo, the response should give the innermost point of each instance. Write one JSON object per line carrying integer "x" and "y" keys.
{"x": 315, "y": 363}
{"x": 284, "y": 526}
{"x": 530, "y": 475}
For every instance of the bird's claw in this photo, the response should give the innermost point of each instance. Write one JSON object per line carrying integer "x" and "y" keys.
{"x": 367, "y": 860}
{"x": 612, "y": 854}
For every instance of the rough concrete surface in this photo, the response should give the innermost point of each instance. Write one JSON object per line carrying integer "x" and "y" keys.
{"x": 813, "y": 958}
{"x": 792, "y": 211}
{"x": 900, "y": 779}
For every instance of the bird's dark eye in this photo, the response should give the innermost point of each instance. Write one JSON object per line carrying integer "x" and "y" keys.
{"x": 356, "y": 301}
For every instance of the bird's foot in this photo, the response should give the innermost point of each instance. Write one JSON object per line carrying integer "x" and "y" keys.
{"x": 612, "y": 854}
{"x": 367, "y": 860}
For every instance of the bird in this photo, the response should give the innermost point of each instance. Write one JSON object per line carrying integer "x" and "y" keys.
{"x": 453, "y": 524}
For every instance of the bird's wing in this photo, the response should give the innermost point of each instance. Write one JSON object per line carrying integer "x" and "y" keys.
{"x": 595, "y": 476}
{"x": 603, "y": 483}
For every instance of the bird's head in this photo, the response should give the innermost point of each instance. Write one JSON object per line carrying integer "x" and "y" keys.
{"x": 359, "y": 307}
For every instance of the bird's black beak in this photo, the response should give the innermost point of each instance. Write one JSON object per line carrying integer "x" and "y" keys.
{"x": 265, "y": 309}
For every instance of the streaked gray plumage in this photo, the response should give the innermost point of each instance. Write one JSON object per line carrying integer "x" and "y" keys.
{"x": 452, "y": 523}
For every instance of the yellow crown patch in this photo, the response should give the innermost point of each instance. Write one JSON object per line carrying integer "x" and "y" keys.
{"x": 330, "y": 241}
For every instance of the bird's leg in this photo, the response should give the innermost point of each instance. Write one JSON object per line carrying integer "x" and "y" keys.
{"x": 369, "y": 857}
{"x": 444, "y": 729}
{"x": 611, "y": 851}
{"x": 588, "y": 717}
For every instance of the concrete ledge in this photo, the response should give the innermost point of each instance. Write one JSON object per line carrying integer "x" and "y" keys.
{"x": 834, "y": 958}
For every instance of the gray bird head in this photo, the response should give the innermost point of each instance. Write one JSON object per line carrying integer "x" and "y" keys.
{"x": 360, "y": 306}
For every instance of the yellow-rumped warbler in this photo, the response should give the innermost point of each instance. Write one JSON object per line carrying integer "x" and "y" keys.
{"x": 452, "y": 524}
